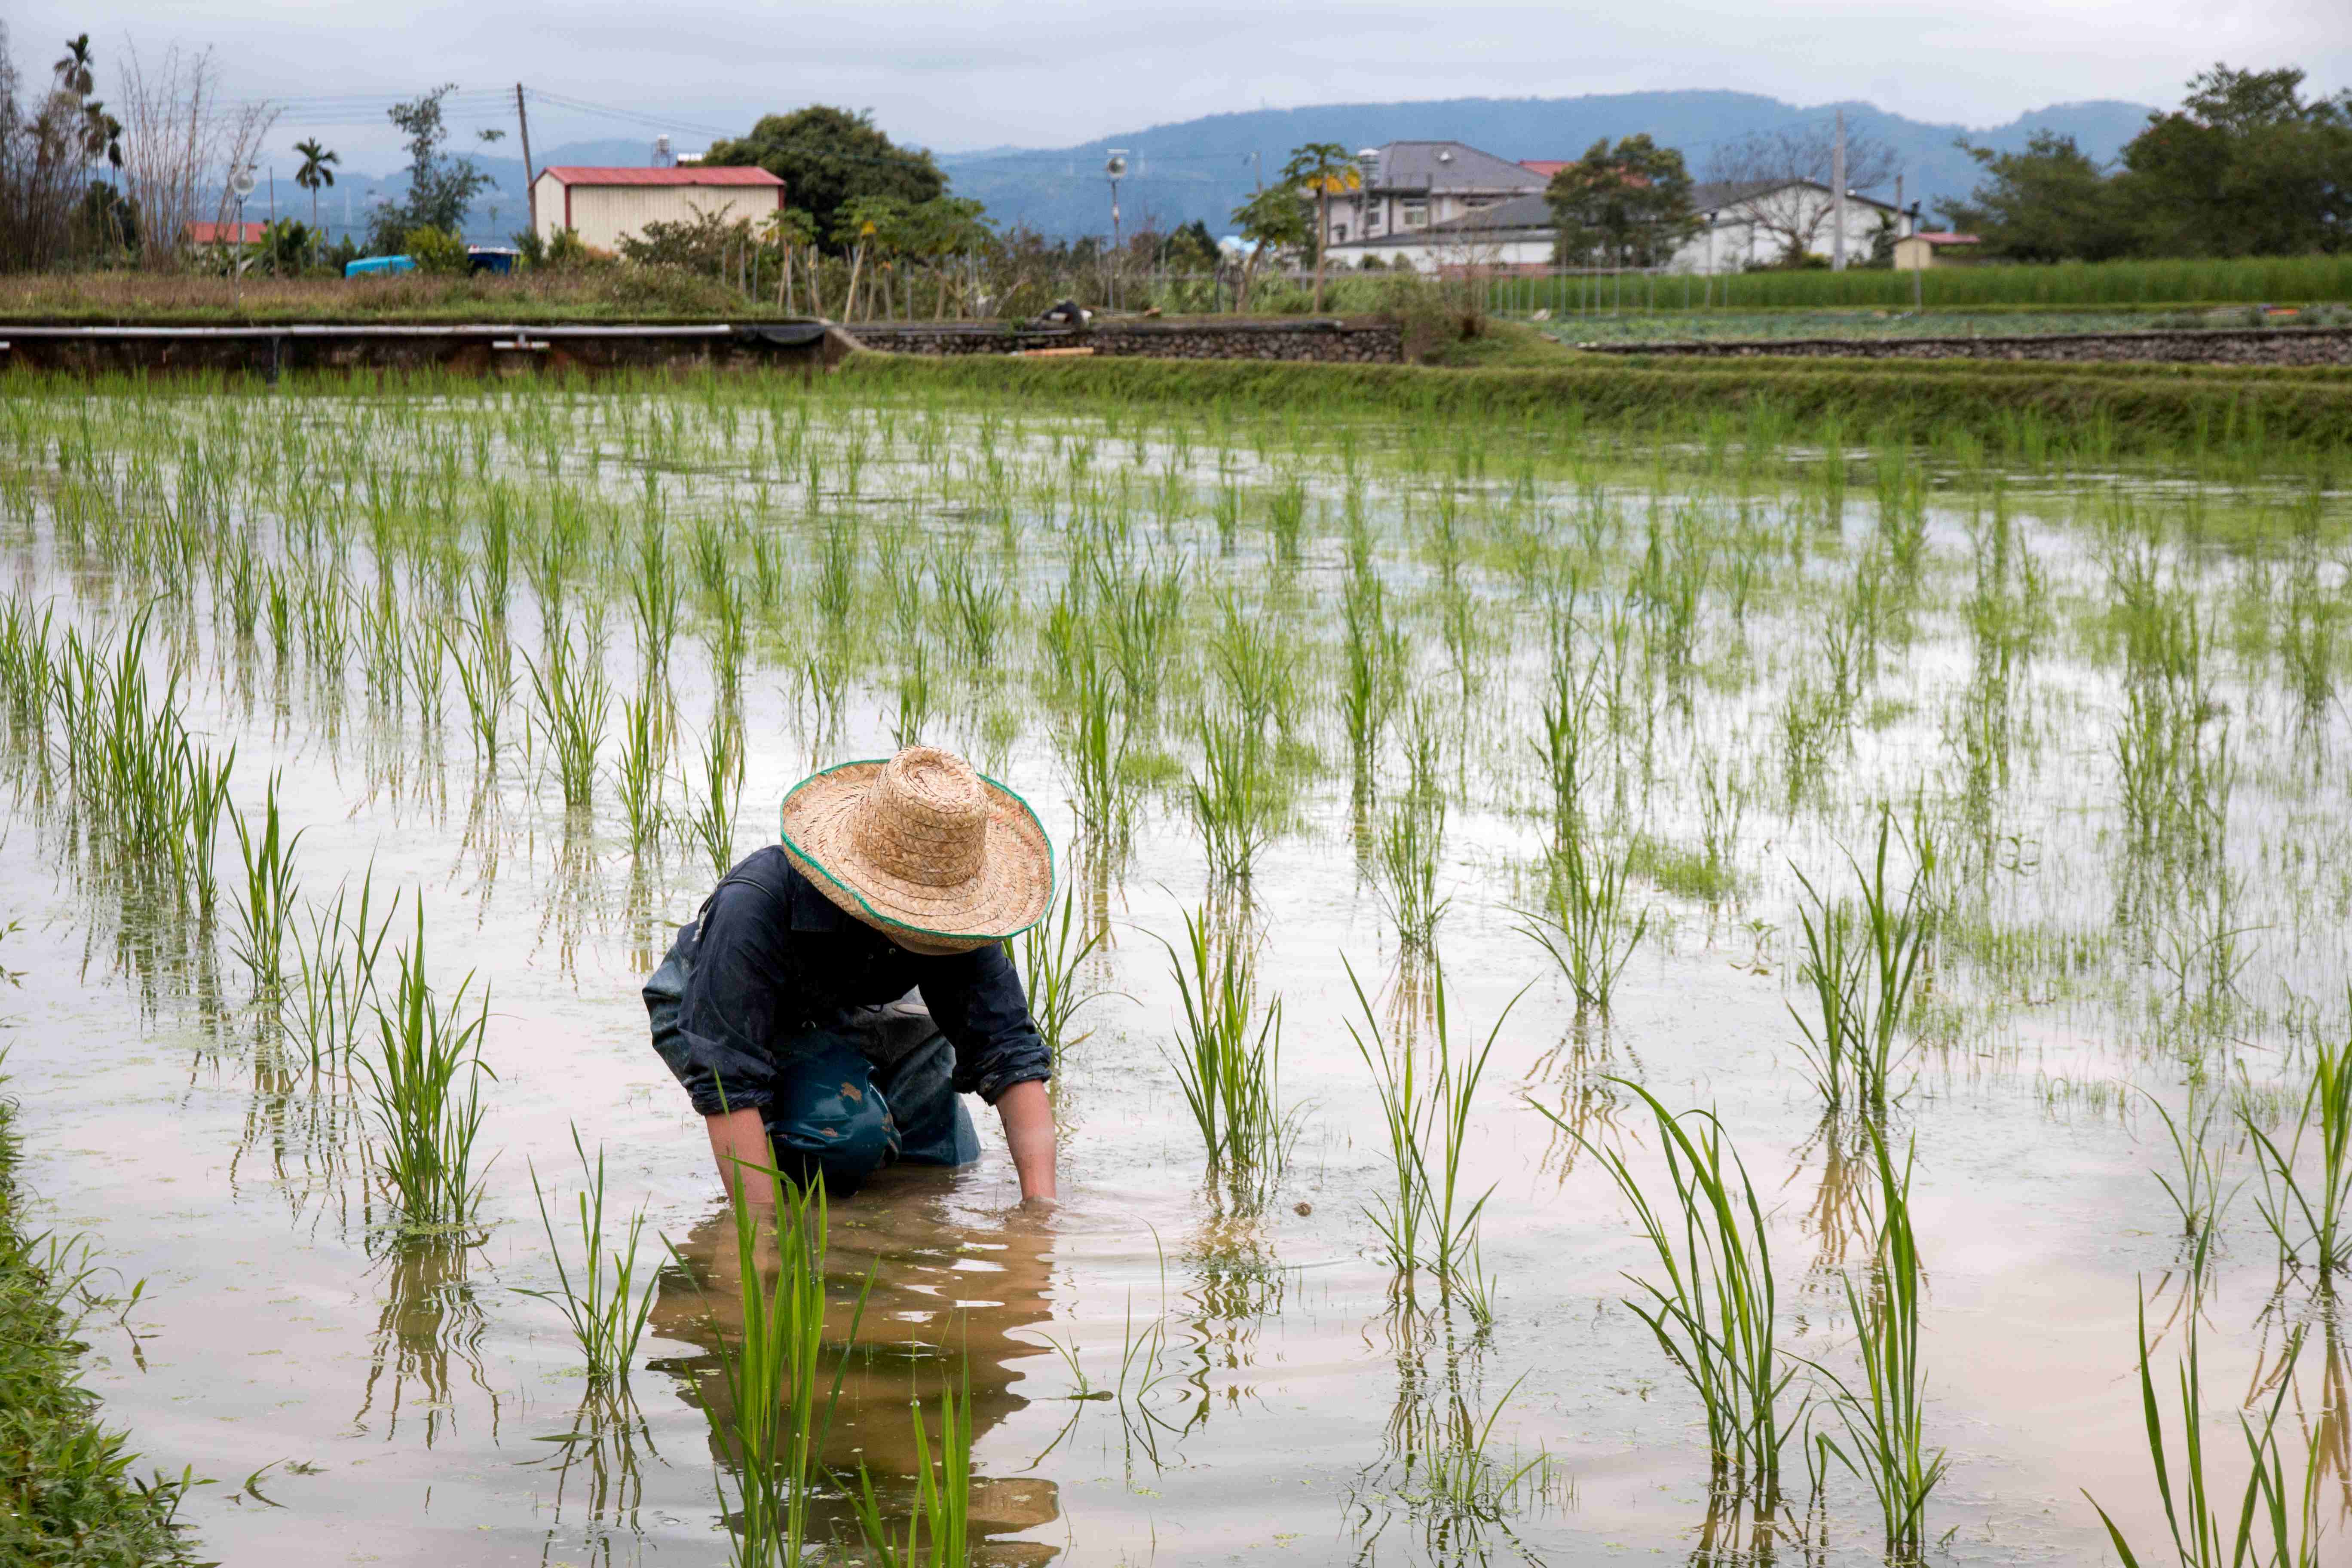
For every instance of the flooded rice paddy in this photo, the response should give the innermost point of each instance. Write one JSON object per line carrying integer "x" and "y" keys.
{"x": 1541, "y": 713}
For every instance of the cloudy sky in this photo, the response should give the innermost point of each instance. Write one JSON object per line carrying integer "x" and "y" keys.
{"x": 1048, "y": 73}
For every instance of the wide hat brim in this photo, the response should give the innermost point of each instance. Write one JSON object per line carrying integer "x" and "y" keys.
{"x": 1006, "y": 895}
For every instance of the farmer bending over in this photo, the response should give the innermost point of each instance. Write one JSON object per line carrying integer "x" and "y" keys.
{"x": 787, "y": 1006}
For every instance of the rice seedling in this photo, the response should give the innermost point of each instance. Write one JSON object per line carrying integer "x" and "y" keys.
{"x": 1568, "y": 733}
{"x": 1411, "y": 841}
{"x": 2277, "y": 1523}
{"x": 2198, "y": 1195}
{"x": 1861, "y": 967}
{"x": 334, "y": 987}
{"x": 713, "y": 821}
{"x": 644, "y": 743}
{"x": 268, "y": 908}
{"x": 978, "y": 607}
{"x": 780, "y": 1406}
{"x": 1286, "y": 517}
{"x": 1583, "y": 923}
{"x": 1714, "y": 1311}
{"x": 1228, "y": 1060}
{"x": 654, "y": 596}
{"x": 1883, "y": 1423}
{"x": 206, "y": 798}
{"x": 913, "y": 710}
{"x": 605, "y": 1308}
{"x": 1428, "y": 1218}
{"x": 1094, "y": 747}
{"x": 942, "y": 1517}
{"x": 574, "y": 698}
{"x": 425, "y": 1085}
{"x": 1051, "y": 955}
{"x": 1236, "y": 802}
{"x": 1377, "y": 656}
{"x": 2308, "y": 1219}
{"x": 486, "y": 676}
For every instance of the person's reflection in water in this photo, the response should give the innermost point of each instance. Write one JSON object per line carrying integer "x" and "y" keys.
{"x": 947, "y": 1301}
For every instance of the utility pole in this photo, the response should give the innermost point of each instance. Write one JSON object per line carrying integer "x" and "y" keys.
{"x": 529, "y": 180}
{"x": 1837, "y": 197}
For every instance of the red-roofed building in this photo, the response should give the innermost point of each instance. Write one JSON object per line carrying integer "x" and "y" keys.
{"x": 1934, "y": 247}
{"x": 1547, "y": 167}
{"x": 225, "y": 233}
{"x": 601, "y": 205}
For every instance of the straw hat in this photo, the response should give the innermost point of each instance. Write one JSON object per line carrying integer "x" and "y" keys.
{"x": 922, "y": 849}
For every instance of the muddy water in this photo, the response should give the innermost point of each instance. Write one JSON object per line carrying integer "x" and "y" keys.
{"x": 396, "y": 1399}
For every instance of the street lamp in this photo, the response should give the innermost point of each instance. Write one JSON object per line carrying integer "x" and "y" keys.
{"x": 1114, "y": 167}
{"x": 240, "y": 186}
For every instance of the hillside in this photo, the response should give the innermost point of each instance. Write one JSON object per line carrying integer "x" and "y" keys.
{"x": 1204, "y": 168}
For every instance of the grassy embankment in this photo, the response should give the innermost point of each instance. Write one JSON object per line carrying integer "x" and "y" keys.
{"x": 2170, "y": 284}
{"x": 614, "y": 294}
{"x": 67, "y": 1494}
{"x": 2011, "y": 408}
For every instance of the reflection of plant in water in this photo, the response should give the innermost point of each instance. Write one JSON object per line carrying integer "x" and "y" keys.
{"x": 601, "y": 1449}
{"x": 430, "y": 1315}
{"x": 1588, "y": 1094}
{"x": 1839, "y": 1211}
{"x": 1440, "y": 1466}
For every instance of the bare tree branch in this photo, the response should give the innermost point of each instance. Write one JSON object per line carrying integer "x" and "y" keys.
{"x": 1783, "y": 180}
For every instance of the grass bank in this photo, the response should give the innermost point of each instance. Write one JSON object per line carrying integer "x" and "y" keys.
{"x": 2205, "y": 281}
{"x": 67, "y": 1494}
{"x": 138, "y": 298}
{"x": 2010, "y": 408}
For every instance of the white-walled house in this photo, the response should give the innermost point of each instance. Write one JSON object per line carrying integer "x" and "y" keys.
{"x": 605, "y": 205}
{"x": 1739, "y": 223}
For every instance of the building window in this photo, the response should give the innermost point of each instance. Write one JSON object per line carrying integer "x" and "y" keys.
{"x": 1416, "y": 215}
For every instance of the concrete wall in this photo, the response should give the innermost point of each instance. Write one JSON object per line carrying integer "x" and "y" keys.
{"x": 1329, "y": 342}
{"x": 2253, "y": 346}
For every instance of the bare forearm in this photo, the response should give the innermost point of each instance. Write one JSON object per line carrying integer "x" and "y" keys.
{"x": 1028, "y": 1117}
{"x": 739, "y": 1141}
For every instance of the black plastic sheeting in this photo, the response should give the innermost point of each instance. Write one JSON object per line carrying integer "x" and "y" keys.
{"x": 791, "y": 335}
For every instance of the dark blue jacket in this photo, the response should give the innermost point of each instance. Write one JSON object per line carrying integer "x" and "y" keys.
{"x": 774, "y": 958}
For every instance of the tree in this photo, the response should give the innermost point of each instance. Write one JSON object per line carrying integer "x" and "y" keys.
{"x": 1780, "y": 181}
{"x": 314, "y": 171}
{"x": 1631, "y": 202}
{"x": 2246, "y": 166}
{"x": 1323, "y": 167}
{"x": 829, "y": 157}
{"x": 440, "y": 187}
{"x": 2048, "y": 202}
{"x": 1275, "y": 217}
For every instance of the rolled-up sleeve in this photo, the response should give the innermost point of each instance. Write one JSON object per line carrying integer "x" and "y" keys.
{"x": 977, "y": 1001}
{"x": 729, "y": 1022}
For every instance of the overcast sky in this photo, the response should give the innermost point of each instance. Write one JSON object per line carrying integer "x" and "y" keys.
{"x": 956, "y": 77}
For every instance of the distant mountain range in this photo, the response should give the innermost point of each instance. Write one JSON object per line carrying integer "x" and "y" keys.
{"x": 1205, "y": 168}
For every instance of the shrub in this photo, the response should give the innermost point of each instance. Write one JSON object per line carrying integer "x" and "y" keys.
{"x": 434, "y": 250}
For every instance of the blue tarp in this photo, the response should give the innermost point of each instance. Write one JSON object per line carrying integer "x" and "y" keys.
{"x": 369, "y": 266}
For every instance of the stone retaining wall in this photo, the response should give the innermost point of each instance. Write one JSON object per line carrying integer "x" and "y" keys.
{"x": 2253, "y": 346}
{"x": 1329, "y": 342}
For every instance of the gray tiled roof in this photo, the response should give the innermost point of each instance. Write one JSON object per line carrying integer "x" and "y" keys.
{"x": 1449, "y": 166}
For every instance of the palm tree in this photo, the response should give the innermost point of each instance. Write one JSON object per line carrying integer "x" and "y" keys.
{"x": 314, "y": 171}
{"x": 73, "y": 72}
{"x": 1323, "y": 167}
